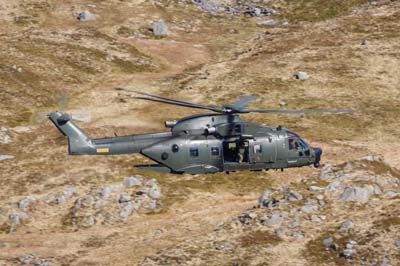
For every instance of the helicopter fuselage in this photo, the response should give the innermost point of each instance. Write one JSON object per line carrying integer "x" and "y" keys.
{"x": 204, "y": 143}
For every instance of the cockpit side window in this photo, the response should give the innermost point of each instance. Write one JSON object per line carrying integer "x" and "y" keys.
{"x": 295, "y": 142}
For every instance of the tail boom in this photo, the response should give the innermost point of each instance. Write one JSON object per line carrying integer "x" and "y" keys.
{"x": 80, "y": 144}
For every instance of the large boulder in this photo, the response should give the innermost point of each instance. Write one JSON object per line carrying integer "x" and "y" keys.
{"x": 4, "y": 137}
{"x": 358, "y": 194}
{"x": 6, "y": 157}
{"x": 160, "y": 28}
{"x": 86, "y": 16}
{"x": 302, "y": 75}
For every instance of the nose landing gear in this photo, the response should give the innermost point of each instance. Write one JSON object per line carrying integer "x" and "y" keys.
{"x": 318, "y": 153}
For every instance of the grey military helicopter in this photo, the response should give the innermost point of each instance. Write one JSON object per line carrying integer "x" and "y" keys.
{"x": 203, "y": 143}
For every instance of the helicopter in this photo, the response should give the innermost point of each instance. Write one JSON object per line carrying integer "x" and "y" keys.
{"x": 203, "y": 143}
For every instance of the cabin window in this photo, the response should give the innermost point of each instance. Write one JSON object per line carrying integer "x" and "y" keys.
{"x": 194, "y": 152}
{"x": 175, "y": 148}
{"x": 164, "y": 156}
{"x": 257, "y": 148}
{"x": 215, "y": 151}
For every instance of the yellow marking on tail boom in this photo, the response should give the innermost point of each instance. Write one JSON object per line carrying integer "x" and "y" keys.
{"x": 102, "y": 150}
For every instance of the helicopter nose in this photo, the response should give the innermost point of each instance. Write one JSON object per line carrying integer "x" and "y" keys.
{"x": 318, "y": 153}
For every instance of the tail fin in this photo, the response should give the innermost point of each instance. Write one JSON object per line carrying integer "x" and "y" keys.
{"x": 78, "y": 141}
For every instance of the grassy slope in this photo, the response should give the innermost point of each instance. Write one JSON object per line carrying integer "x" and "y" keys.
{"x": 65, "y": 61}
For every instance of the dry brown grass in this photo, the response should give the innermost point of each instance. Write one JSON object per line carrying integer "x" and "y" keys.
{"x": 64, "y": 61}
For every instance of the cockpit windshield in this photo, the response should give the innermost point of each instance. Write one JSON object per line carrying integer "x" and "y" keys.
{"x": 295, "y": 142}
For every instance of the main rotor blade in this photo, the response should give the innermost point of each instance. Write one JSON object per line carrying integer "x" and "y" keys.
{"x": 173, "y": 101}
{"x": 215, "y": 109}
{"x": 243, "y": 101}
{"x": 305, "y": 111}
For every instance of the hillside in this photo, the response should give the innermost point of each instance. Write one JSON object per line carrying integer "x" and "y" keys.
{"x": 57, "y": 209}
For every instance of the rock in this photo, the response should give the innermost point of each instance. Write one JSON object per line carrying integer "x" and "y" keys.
{"x": 385, "y": 262}
{"x": 326, "y": 172}
{"x": 60, "y": 198}
{"x": 319, "y": 197}
{"x": 280, "y": 232}
{"x": 272, "y": 203}
{"x": 142, "y": 191}
{"x": 23, "y": 204}
{"x": 276, "y": 218}
{"x": 132, "y": 181}
{"x": 397, "y": 243}
{"x": 309, "y": 208}
{"x": 155, "y": 191}
{"x": 298, "y": 235}
{"x": 347, "y": 253}
{"x": 364, "y": 42}
{"x": 245, "y": 218}
{"x": 315, "y": 188}
{"x": 302, "y": 75}
{"x": 86, "y": 16}
{"x": 333, "y": 185}
{"x": 257, "y": 12}
{"x": 386, "y": 181}
{"x": 222, "y": 245}
{"x": 358, "y": 194}
{"x": 371, "y": 158}
{"x": 363, "y": 179}
{"x": 16, "y": 219}
{"x": 124, "y": 198}
{"x": 128, "y": 209}
{"x": 115, "y": 202}
{"x": 105, "y": 192}
{"x": 264, "y": 198}
{"x": 348, "y": 167}
{"x": 269, "y": 22}
{"x": 68, "y": 192}
{"x": 377, "y": 190}
{"x": 43, "y": 263}
{"x": 328, "y": 241}
{"x": 90, "y": 220}
{"x": 296, "y": 222}
{"x": 85, "y": 201}
{"x": 160, "y": 28}
{"x": 116, "y": 187}
{"x": 151, "y": 205}
{"x": 334, "y": 246}
{"x": 209, "y": 6}
{"x": 317, "y": 218}
{"x": 282, "y": 104}
{"x": 348, "y": 224}
{"x": 292, "y": 195}
{"x": 27, "y": 259}
{"x": 252, "y": 215}
{"x": 391, "y": 194}
{"x": 6, "y": 157}
{"x": 4, "y": 138}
